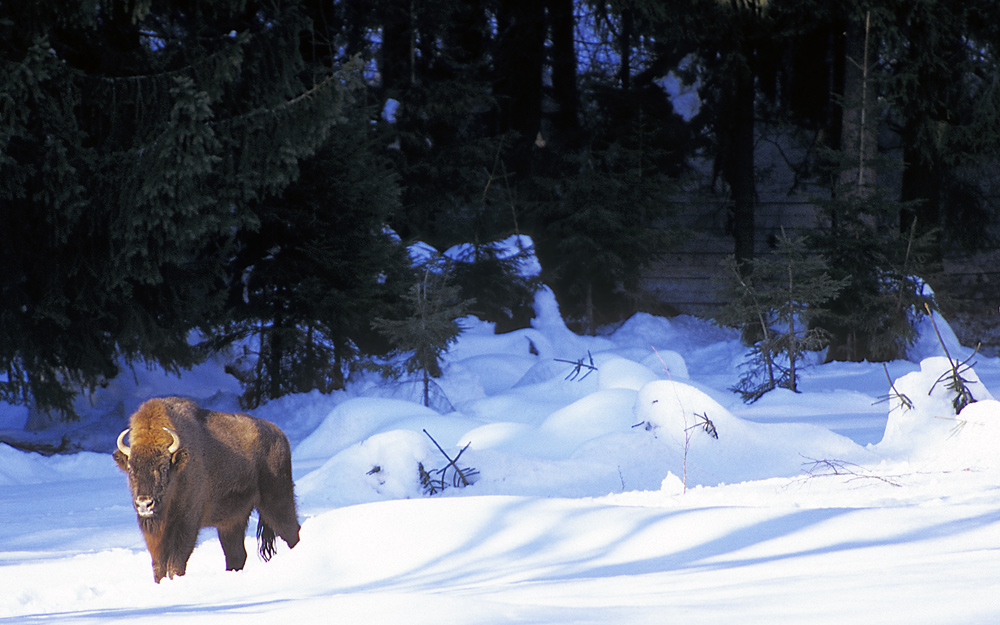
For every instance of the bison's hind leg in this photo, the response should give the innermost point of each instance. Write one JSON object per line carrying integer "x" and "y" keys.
{"x": 231, "y": 537}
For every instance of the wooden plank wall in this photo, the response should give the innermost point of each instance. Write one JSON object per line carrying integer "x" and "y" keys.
{"x": 684, "y": 280}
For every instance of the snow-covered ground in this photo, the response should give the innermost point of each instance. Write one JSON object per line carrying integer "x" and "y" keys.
{"x": 601, "y": 494}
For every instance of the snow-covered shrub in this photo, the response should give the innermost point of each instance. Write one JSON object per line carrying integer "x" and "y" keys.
{"x": 925, "y": 422}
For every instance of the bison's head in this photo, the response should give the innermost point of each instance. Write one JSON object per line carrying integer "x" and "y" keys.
{"x": 150, "y": 462}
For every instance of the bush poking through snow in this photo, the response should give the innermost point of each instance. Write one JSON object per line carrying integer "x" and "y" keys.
{"x": 706, "y": 424}
{"x": 436, "y": 480}
{"x": 955, "y": 382}
{"x": 841, "y": 468}
{"x": 897, "y": 399}
{"x": 579, "y": 366}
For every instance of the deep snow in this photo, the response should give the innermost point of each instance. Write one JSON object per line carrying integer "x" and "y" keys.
{"x": 601, "y": 497}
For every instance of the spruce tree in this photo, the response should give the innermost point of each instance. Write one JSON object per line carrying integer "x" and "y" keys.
{"x": 873, "y": 316}
{"x": 134, "y": 140}
{"x": 601, "y": 214}
{"x": 774, "y": 305}
{"x": 941, "y": 90}
{"x": 494, "y": 280}
{"x": 305, "y": 284}
{"x": 430, "y": 324}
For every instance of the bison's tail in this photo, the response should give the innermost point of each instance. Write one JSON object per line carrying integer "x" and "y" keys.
{"x": 265, "y": 540}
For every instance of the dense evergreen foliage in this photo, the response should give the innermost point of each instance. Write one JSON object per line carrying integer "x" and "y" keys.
{"x": 873, "y": 316}
{"x": 134, "y": 142}
{"x": 232, "y": 166}
{"x": 305, "y": 282}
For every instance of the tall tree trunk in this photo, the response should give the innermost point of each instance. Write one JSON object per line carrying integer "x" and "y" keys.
{"x": 928, "y": 115}
{"x": 566, "y": 119}
{"x": 625, "y": 48}
{"x": 276, "y": 348}
{"x": 395, "y": 62}
{"x": 859, "y": 121}
{"x": 519, "y": 62}
{"x": 740, "y": 170}
{"x": 921, "y": 185}
{"x": 338, "y": 382}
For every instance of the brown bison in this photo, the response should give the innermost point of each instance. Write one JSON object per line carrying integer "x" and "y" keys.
{"x": 190, "y": 468}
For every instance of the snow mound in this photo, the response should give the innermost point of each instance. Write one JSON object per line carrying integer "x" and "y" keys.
{"x": 355, "y": 420}
{"x": 928, "y": 345}
{"x": 17, "y": 467}
{"x": 709, "y": 445}
{"x": 925, "y": 425}
{"x": 383, "y": 466}
{"x": 615, "y": 372}
{"x": 561, "y": 341}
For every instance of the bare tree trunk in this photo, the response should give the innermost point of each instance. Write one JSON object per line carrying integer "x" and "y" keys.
{"x": 276, "y": 348}
{"x": 520, "y": 55}
{"x": 427, "y": 388}
{"x": 396, "y": 51}
{"x": 625, "y": 49}
{"x": 741, "y": 168}
{"x": 858, "y": 137}
{"x": 566, "y": 119}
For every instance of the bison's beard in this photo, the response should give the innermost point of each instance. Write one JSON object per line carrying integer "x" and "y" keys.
{"x": 151, "y": 524}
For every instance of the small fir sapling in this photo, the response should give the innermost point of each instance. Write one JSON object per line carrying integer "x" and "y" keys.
{"x": 430, "y": 328}
{"x": 774, "y": 301}
{"x": 904, "y": 402}
{"x": 874, "y": 317}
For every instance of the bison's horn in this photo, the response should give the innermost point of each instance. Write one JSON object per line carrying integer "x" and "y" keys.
{"x": 122, "y": 447}
{"x": 174, "y": 446}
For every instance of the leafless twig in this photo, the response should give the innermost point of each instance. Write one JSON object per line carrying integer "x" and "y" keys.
{"x": 956, "y": 383}
{"x": 706, "y": 424}
{"x": 579, "y": 366}
{"x": 840, "y": 468}
{"x": 904, "y": 402}
{"x": 435, "y": 481}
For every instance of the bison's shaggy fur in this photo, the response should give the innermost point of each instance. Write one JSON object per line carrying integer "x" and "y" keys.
{"x": 190, "y": 468}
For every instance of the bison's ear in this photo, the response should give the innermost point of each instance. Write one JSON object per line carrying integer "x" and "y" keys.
{"x": 121, "y": 460}
{"x": 179, "y": 459}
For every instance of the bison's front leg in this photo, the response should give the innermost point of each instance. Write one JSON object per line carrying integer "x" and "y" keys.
{"x": 232, "y": 539}
{"x": 155, "y": 544}
{"x": 167, "y": 565}
{"x": 159, "y": 570}
{"x": 175, "y": 549}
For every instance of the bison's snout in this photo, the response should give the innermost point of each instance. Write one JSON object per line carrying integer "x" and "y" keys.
{"x": 145, "y": 506}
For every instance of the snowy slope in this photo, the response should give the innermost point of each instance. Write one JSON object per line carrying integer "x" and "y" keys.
{"x": 600, "y": 498}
